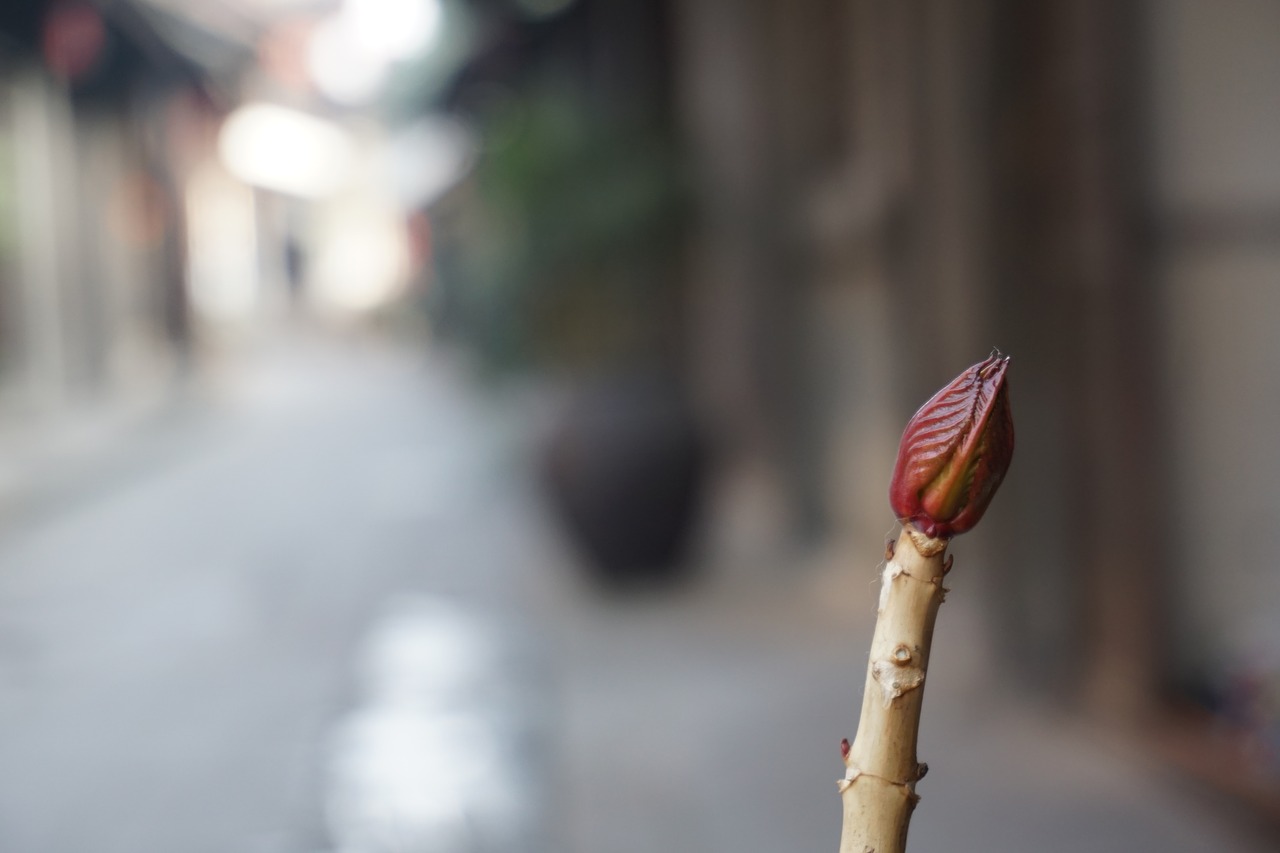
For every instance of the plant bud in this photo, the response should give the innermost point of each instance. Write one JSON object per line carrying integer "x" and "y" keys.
{"x": 954, "y": 452}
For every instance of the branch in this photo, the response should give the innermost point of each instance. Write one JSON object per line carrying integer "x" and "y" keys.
{"x": 879, "y": 786}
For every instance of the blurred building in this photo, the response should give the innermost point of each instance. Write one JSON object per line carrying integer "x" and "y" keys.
{"x": 879, "y": 193}
{"x": 92, "y": 254}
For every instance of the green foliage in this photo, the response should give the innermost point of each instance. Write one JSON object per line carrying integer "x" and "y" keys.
{"x": 573, "y": 255}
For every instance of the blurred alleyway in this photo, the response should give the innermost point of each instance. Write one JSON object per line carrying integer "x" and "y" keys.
{"x": 178, "y": 644}
{"x": 329, "y": 615}
{"x": 277, "y": 576}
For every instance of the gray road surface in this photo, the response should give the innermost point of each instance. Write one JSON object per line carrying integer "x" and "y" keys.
{"x": 326, "y": 613}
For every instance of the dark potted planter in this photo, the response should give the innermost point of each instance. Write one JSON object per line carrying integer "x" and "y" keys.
{"x": 624, "y": 469}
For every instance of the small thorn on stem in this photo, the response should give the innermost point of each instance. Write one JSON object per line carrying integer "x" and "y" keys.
{"x": 921, "y": 770}
{"x": 946, "y": 564}
{"x": 890, "y": 547}
{"x": 844, "y": 747}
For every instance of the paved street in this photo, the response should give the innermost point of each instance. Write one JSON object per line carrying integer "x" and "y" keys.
{"x": 180, "y": 648}
{"x": 323, "y": 611}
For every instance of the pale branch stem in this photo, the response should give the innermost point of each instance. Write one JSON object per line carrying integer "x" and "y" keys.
{"x": 878, "y": 789}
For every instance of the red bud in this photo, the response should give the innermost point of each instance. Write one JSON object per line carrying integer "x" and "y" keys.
{"x": 954, "y": 452}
